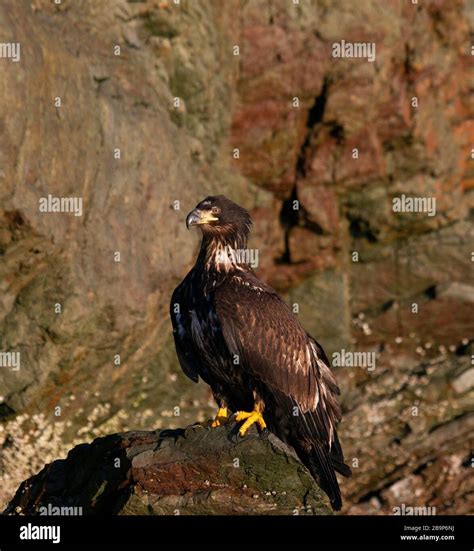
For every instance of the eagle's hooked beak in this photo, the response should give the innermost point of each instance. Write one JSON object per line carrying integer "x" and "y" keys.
{"x": 197, "y": 217}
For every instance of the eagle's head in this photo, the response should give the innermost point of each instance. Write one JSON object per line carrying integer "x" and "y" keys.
{"x": 220, "y": 217}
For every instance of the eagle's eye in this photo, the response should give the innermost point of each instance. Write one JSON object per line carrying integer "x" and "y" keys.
{"x": 215, "y": 210}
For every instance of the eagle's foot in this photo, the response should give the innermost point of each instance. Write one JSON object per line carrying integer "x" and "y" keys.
{"x": 221, "y": 418}
{"x": 251, "y": 418}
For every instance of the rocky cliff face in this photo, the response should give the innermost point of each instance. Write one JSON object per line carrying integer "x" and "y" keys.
{"x": 141, "y": 110}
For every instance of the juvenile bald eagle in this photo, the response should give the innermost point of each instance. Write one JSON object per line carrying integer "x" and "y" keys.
{"x": 235, "y": 332}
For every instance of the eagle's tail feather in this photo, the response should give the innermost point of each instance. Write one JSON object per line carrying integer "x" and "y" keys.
{"x": 337, "y": 458}
{"x": 341, "y": 467}
{"x": 322, "y": 469}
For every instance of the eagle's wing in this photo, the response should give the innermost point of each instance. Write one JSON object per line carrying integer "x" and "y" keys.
{"x": 187, "y": 355}
{"x": 274, "y": 348}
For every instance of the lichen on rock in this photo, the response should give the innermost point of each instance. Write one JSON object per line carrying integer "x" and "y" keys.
{"x": 197, "y": 470}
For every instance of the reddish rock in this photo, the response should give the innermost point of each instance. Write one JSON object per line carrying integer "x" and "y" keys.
{"x": 321, "y": 205}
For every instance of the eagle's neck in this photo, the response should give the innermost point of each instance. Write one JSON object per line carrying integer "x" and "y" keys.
{"x": 221, "y": 255}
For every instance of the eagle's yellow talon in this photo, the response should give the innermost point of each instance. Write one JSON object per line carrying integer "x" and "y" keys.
{"x": 251, "y": 418}
{"x": 221, "y": 417}
{"x": 241, "y": 415}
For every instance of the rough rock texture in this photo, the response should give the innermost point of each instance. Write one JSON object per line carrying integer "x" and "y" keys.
{"x": 111, "y": 311}
{"x": 106, "y": 358}
{"x": 408, "y": 432}
{"x": 193, "y": 471}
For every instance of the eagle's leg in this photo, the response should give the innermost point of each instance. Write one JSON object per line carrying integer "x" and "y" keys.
{"x": 255, "y": 416}
{"x": 222, "y": 416}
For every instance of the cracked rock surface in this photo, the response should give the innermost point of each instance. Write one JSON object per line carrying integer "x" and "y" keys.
{"x": 193, "y": 471}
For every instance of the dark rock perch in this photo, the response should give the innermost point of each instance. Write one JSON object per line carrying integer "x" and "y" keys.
{"x": 197, "y": 470}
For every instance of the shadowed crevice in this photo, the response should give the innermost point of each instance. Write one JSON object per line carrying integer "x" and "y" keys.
{"x": 289, "y": 216}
